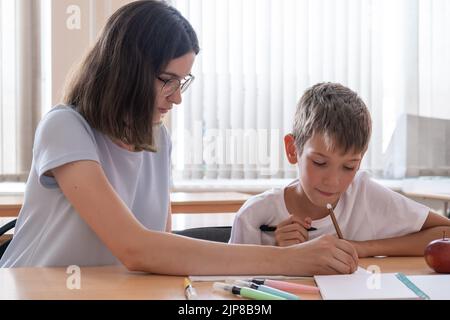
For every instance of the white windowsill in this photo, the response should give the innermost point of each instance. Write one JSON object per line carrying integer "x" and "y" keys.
{"x": 440, "y": 185}
{"x": 12, "y": 188}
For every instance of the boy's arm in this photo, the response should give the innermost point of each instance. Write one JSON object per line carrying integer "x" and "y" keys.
{"x": 413, "y": 244}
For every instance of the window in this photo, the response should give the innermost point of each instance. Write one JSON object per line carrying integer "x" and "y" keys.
{"x": 258, "y": 57}
{"x": 8, "y": 113}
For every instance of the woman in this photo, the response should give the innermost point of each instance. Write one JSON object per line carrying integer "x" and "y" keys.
{"x": 98, "y": 191}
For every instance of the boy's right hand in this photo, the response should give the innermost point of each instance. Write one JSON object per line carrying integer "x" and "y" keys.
{"x": 292, "y": 231}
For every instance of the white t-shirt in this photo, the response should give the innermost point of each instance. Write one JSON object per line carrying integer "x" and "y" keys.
{"x": 49, "y": 232}
{"x": 366, "y": 211}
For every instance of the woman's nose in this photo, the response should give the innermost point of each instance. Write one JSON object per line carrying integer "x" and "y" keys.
{"x": 175, "y": 97}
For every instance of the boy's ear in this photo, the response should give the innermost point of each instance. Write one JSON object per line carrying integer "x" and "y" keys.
{"x": 291, "y": 150}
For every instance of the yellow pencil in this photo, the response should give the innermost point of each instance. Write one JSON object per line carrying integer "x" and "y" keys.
{"x": 189, "y": 290}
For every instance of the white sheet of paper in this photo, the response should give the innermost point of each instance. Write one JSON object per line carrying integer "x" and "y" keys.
{"x": 361, "y": 271}
{"x": 363, "y": 286}
{"x": 437, "y": 287}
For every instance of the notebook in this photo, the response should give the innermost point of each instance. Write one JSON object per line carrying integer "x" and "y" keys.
{"x": 368, "y": 286}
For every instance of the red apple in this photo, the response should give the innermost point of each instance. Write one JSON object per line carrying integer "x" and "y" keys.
{"x": 437, "y": 255}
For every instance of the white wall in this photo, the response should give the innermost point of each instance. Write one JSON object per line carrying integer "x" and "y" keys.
{"x": 74, "y": 27}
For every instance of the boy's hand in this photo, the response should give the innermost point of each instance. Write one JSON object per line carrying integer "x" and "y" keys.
{"x": 292, "y": 231}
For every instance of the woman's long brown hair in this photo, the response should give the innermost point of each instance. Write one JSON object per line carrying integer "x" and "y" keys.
{"x": 113, "y": 88}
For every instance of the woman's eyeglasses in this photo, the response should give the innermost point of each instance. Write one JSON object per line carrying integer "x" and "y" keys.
{"x": 172, "y": 85}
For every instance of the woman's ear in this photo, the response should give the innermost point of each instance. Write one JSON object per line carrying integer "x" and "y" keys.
{"x": 291, "y": 150}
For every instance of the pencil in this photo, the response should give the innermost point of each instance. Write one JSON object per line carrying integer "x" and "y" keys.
{"x": 266, "y": 228}
{"x": 189, "y": 291}
{"x": 335, "y": 223}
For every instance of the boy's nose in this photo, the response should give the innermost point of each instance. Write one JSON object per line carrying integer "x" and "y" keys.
{"x": 332, "y": 180}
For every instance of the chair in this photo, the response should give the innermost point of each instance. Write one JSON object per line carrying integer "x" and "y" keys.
{"x": 218, "y": 234}
{"x": 10, "y": 225}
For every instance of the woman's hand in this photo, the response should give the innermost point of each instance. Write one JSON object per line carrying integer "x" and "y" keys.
{"x": 324, "y": 255}
{"x": 292, "y": 231}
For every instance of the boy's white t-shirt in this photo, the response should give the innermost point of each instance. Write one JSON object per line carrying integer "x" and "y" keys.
{"x": 49, "y": 231}
{"x": 366, "y": 211}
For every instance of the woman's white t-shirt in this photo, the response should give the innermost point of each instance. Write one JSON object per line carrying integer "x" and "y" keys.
{"x": 366, "y": 211}
{"x": 49, "y": 231}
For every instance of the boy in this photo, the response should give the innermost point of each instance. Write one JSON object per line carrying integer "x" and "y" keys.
{"x": 332, "y": 129}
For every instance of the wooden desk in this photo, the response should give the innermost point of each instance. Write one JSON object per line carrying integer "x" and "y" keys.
{"x": 10, "y": 205}
{"x": 204, "y": 202}
{"x": 207, "y": 202}
{"x": 445, "y": 198}
{"x": 101, "y": 283}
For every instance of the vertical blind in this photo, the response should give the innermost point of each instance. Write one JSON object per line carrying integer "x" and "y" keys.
{"x": 259, "y": 56}
{"x": 19, "y": 87}
{"x": 7, "y": 88}
{"x": 28, "y": 51}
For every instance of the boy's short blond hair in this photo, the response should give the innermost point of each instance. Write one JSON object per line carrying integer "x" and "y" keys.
{"x": 336, "y": 112}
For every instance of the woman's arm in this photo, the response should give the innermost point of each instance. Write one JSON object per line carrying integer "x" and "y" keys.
{"x": 410, "y": 245}
{"x": 88, "y": 190}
